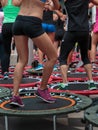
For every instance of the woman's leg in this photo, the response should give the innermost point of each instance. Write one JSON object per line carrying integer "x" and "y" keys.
{"x": 21, "y": 43}
{"x": 44, "y": 43}
{"x": 93, "y": 47}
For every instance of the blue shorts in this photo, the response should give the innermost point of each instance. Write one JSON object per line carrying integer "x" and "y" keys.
{"x": 48, "y": 27}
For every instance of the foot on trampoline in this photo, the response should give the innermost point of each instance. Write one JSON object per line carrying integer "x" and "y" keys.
{"x": 39, "y": 67}
{"x": 16, "y": 101}
{"x": 92, "y": 86}
{"x": 5, "y": 76}
{"x": 45, "y": 96}
{"x": 63, "y": 86}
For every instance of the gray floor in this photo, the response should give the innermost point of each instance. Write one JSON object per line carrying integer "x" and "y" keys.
{"x": 67, "y": 122}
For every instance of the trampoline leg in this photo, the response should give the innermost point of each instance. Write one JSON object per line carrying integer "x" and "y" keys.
{"x": 54, "y": 122}
{"x": 6, "y": 122}
{"x": 90, "y": 127}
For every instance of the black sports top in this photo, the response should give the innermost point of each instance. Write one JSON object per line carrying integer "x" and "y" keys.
{"x": 48, "y": 17}
{"x": 77, "y": 12}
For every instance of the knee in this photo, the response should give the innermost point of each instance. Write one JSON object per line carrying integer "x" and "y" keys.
{"x": 23, "y": 62}
{"x": 54, "y": 58}
{"x": 86, "y": 61}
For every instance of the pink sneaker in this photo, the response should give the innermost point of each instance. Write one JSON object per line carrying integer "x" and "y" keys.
{"x": 16, "y": 101}
{"x": 45, "y": 95}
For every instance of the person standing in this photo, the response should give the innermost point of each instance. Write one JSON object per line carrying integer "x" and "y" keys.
{"x": 3, "y": 57}
{"x": 28, "y": 24}
{"x": 94, "y": 39}
{"x": 77, "y": 30}
{"x": 10, "y": 13}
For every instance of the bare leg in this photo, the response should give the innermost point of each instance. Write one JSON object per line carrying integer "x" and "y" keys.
{"x": 44, "y": 43}
{"x": 88, "y": 69}
{"x": 64, "y": 70}
{"x": 93, "y": 47}
{"x": 22, "y": 49}
{"x": 40, "y": 56}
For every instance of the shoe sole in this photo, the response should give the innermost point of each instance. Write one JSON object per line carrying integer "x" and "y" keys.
{"x": 92, "y": 88}
{"x": 44, "y": 99}
{"x": 38, "y": 69}
{"x": 16, "y": 104}
{"x": 5, "y": 78}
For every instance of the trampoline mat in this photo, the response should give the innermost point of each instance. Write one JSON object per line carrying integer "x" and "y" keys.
{"x": 33, "y": 103}
{"x": 24, "y": 81}
{"x": 74, "y": 86}
{"x": 78, "y": 75}
{"x": 77, "y": 88}
{"x": 35, "y": 107}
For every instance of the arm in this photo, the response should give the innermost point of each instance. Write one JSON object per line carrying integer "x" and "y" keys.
{"x": 59, "y": 13}
{"x": 49, "y": 5}
{"x": 56, "y": 4}
{"x": 94, "y": 2}
{"x": 16, "y": 2}
{"x": 3, "y": 2}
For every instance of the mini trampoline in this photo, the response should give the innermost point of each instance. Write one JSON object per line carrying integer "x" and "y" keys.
{"x": 77, "y": 76}
{"x": 65, "y": 103}
{"x": 26, "y": 82}
{"x": 91, "y": 117}
{"x": 74, "y": 87}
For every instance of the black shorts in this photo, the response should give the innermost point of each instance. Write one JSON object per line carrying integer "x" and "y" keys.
{"x": 28, "y": 25}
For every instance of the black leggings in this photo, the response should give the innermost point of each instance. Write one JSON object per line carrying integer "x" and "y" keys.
{"x": 7, "y": 38}
{"x": 68, "y": 43}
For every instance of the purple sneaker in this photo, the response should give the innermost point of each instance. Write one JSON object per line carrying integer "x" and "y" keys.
{"x": 16, "y": 101}
{"x": 45, "y": 95}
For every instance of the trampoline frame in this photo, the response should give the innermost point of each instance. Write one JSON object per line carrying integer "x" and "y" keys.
{"x": 91, "y": 112}
{"x": 77, "y": 108}
{"x": 84, "y": 92}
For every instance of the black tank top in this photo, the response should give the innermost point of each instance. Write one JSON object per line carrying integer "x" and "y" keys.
{"x": 48, "y": 17}
{"x": 59, "y": 24}
{"x": 77, "y": 11}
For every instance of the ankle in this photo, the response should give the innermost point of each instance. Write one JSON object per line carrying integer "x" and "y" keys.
{"x": 90, "y": 81}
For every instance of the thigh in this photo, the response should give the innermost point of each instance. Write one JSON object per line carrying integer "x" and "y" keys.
{"x": 84, "y": 44}
{"x": 44, "y": 43}
{"x": 68, "y": 42}
{"x": 21, "y": 43}
{"x": 83, "y": 41}
{"x": 94, "y": 38}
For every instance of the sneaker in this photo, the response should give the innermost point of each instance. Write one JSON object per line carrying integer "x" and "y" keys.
{"x": 63, "y": 86}
{"x": 45, "y": 95}
{"x": 80, "y": 64}
{"x": 92, "y": 86}
{"x": 5, "y": 76}
{"x": 94, "y": 65}
{"x": 39, "y": 67}
{"x": 16, "y": 101}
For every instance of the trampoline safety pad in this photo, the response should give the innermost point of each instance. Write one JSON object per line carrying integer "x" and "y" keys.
{"x": 91, "y": 115}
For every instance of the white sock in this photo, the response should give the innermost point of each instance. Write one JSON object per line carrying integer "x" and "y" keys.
{"x": 90, "y": 81}
{"x": 65, "y": 84}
